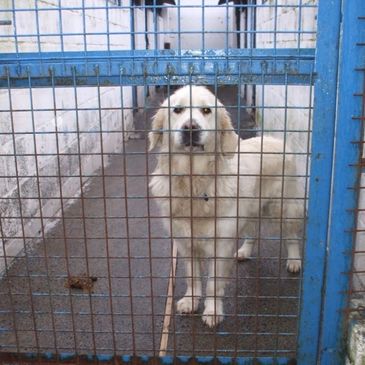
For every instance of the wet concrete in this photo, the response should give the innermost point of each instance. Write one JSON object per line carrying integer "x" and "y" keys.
{"x": 118, "y": 306}
{"x": 261, "y": 304}
{"x": 125, "y": 311}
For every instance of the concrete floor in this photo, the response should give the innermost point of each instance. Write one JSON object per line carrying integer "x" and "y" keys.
{"x": 126, "y": 310}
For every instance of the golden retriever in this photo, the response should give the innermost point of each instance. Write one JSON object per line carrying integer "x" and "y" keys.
{"x": 215, "y": 187}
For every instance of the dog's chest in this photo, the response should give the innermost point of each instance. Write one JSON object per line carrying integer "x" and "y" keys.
{"x": 192, "y": 196}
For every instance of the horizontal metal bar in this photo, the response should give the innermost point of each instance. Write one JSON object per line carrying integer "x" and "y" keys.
{"x": 71, "y": 358}
{"x": 152, "y": 197}
{"x": 157, "y": 6}
{"x": 154, "y": 33}
{"x": 152, "y": 67}
{"x": 49, "y": 331}
{"x": 130, "y": 237}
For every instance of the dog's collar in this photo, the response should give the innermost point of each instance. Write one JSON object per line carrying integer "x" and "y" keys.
{"x": 205, "y": 197}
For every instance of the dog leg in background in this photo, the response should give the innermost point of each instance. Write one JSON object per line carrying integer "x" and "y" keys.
{"x": 294, "y": 263}
{"x": 190, "y": 302}
{"x": 292, "y": 229}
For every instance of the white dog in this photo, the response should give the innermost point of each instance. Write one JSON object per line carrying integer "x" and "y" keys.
{"x": 216, "y": 187}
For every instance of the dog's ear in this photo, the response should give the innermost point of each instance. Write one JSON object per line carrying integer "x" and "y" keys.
{"x": 228, "y": 138}
{"x": 155, "y": 136}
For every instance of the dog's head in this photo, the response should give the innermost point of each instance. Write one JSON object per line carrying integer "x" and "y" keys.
{"x": 193, "y": 120}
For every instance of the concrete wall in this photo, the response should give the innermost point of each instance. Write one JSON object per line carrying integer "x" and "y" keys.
{"x": 43, "y": 120}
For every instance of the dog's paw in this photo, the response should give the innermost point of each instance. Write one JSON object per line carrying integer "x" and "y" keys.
{"x": 244, "y": 253}
{"x": 293, "y": 266}
{"x": 212, "y": 318}
{"x": 187, "y": 305}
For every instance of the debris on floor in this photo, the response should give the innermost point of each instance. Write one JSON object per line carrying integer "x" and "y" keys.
{"x": 82, "y": 282}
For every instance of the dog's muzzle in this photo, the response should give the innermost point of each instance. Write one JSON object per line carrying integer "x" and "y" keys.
{"x": 191, "y": 134}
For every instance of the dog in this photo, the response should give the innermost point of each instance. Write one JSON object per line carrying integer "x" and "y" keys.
{"x": 215, "y": 187}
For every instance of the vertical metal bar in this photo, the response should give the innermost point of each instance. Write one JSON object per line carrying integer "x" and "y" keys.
{"x": 346, "y": 176}
{"x": 299, "y": 33}
{"x": 203, "y": 26}
{"x": 3, "y": 243}
{"x": 150, "y": 262}
{"x": 155, "y": 24}
{"x": 84, "y": 27}
{"x": 282, "y": 237}
{"x": 226, "y": 35}
{"x": 179, "y": 27}
{"x": 105, "y": 214}
{"x": 275, "y": 25}
{"x": 320, "y": 179}
{"x": 15, "y": 28}
{"x": 306, "y": 185}
{"x": 259, "y": 224}
{"x": 8, "y": 285}
{"x": 40, "y": 207}
{"x": 215, "y": 191}
{"x": 37, "y": 27}
{"x": 82, "y": 196}
{"x": 173, "y": 245}
{"x": 22, "y": 222}
{"x": 64, "y": 231}
{"x": 107, "y": 28}
{"x": 61, "y": 26}
{"x": 239, "y": 96}
{"x": 60, "y": 20}
{"x": 125, "y": 191}
{"x": 133, "y": 48}
{"x": 191, "y": 219}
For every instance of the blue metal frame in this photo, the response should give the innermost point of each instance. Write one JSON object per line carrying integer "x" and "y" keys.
{"x": 71, "y": 358}
{"x": 324, "y": 115}
{"x": 345, "y": 178}
{"x": 333, "y": 199}
{"x": 331, "y": 204}
{"x": 158, "y": 67}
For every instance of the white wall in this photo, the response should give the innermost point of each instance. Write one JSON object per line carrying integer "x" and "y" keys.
{"x": 44, "y": 119}
{"x": 191, "y": 19}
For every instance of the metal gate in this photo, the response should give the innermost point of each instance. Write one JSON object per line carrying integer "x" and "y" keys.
{"x": 88, "y": 272}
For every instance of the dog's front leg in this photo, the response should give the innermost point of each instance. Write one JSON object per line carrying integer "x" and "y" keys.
{"x": 190, "y": 301}
{"x": 219, "y": 273}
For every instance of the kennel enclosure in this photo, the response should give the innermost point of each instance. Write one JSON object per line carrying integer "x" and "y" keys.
{"x": 79, "y": 83}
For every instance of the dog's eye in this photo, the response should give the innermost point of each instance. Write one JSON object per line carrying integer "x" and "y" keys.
{"x": 206, "y": 110}
{"x": 178, "y": 110}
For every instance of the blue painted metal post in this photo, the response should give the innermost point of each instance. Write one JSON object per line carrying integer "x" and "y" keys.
{"x": 346, "y": 175}
{"x": 328, "y": 35}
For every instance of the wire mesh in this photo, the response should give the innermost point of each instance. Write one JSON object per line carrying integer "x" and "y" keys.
{"x": 356, "y": 298}
{"x": 90, "y": 263}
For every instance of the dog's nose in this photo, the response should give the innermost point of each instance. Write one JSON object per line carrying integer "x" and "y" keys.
{"x": 191, "y": 124}
{"x": 190, "y": 133}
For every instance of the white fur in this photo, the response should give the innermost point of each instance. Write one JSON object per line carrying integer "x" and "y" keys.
{"x": 208, "y": 228}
